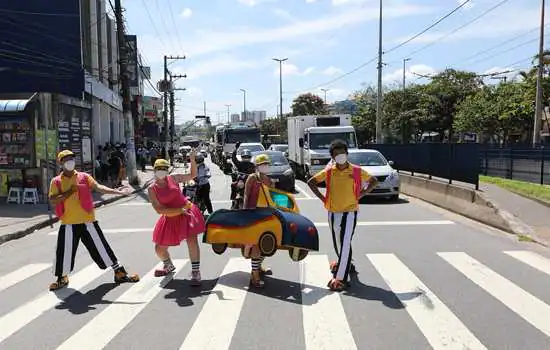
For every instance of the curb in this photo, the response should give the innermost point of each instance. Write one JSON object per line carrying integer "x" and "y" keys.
{"x": 40, "y": 225}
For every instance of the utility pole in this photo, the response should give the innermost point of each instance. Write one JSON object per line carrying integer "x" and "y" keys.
{"x": 244, "y": 104}
{"x": 325, "y": 91}
{"x": 173, "y": 107}
{"x": 228, "y": 117}
{"x": 131, "y": 169}
{"x": 166, "y": 89}
{"x": 379, "y": 96}
{"x": 538, "y": 100}
{"x": 280, "y": 60}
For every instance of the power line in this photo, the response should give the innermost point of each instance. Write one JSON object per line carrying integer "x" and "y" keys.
{"x": 429, "y": 27}
{"x": 153, "y": 24}
{"x": 175, "y": 26}
{"x": 470, "y": 22}
{"x": 505, "y": 51}
{"x": 39, "y": 13}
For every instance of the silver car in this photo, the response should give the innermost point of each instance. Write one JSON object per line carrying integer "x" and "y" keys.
{"x": 376, "y": 164}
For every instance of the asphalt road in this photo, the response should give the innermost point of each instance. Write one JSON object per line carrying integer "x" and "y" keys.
{"x": 427, "y": 279}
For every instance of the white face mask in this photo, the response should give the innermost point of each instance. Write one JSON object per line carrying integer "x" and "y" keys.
{"x": 341, "y": 159}
{"x": 69, "y": 165}
{"x": 161, "y": 174}
{"x": 263, "y": 169}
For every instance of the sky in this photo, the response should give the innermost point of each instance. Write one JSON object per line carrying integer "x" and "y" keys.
{"x": 230, "y": 45}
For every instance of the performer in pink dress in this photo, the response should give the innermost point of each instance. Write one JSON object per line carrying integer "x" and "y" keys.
{"x": 179, "y": 218}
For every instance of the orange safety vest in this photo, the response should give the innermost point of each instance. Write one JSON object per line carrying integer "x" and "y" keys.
{"x": 356, "y": 180}
{"x": 84, "y": 194}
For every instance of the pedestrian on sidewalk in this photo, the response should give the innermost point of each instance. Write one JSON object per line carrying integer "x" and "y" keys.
{"x": 203, "y": 183}
{"x": 345, "y": 185}
{"x": 179, "y": 218}
{"x": 71, "y": 193}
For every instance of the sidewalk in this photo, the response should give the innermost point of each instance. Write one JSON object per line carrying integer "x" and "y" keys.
{"x": 532, "y": 216}
{"x": 19, "y": 220}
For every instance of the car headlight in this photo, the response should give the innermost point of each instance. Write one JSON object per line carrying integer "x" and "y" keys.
{"x": 316, "y": 161}
{"x": 394, "y": 176}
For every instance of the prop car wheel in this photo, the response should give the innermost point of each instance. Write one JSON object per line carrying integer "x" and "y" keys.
{"x": 267, "y": 244}
{"x": 297, "y": 254}
{"x": 219, "y": 248}
{"x": 244, "y": 253}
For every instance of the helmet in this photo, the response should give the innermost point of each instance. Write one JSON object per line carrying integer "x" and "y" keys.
{"x": 161, "y": 163}
{"x": 262, "y": 159}
{"x": 199, "y": 158}
{"x": 246, "y": 154}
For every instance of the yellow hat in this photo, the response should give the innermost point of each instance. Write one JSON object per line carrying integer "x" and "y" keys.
{"x": 161, "y": 163}
{"x": 63, "y": 154}
{"x": 262, "y": 159}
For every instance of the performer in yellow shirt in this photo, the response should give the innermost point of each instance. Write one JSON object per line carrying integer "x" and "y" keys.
{"x": 345, "y": 185}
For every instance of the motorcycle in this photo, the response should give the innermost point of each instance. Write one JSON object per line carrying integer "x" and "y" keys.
{"x": 190, "y": 191}
{"x": 237, "y": 190}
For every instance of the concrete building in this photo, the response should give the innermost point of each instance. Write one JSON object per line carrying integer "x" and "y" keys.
{"x": 254, "y": 116}
{"x": 235, "y": 118}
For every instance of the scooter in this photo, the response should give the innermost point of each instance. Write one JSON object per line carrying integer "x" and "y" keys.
{"x": 237, "y": 190}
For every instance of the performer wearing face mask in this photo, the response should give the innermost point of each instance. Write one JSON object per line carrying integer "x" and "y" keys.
{"x": 179, "y": 218}
{"x": 71, "y": 193}
{"x": 251, "y": 193}
{"x": 345, "y": 185}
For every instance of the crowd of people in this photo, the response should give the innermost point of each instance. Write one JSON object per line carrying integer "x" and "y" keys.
{"x": 181, "y": 220}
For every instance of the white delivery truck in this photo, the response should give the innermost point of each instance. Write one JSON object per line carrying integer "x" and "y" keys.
{"x": 309, "y": 139}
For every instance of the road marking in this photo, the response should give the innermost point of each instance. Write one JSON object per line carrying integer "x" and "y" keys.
{"x": 217, "y": 321}
{"x": 20, "y": 317}
{"x": 324, "y": 318}
{"x": 318, "y": 224}
{"x": 140, "y": 204}
{"x": 21, "y": 274}
{"x": 518, "y": 300}
{"x": 436, "y": 321}
{"x": 532, "y": 259}
{"x": 97, "y": 333}
{"x": 393, "y": 223}
{"x": 303, "y": 192}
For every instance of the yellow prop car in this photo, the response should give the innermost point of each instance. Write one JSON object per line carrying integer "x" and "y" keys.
{"x": 275, "y": 225}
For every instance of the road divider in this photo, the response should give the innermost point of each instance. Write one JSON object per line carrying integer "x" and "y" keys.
{"x": 317, "y": 224}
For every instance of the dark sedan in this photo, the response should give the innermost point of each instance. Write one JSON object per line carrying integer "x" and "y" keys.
{"x": 280, "y": 171}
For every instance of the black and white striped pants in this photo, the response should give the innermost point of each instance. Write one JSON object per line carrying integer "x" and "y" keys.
{"x": 342, "y": 226}
{"x": 90, "y": 234}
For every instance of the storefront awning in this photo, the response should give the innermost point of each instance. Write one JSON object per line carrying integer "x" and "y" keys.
{"x": 11, "y": 106}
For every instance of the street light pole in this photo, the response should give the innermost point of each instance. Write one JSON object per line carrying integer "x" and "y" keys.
{"x": 379, "y": 95}
{"x": 228, "y": 118}
{"x": 244, "y": 104}
{"x": 325, "y": 91}
{"x": 280, "y": 60}
{"x": 538, "y": 100}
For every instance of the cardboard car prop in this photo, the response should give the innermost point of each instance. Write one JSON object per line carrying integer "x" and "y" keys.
{"x": 275, "y": 225}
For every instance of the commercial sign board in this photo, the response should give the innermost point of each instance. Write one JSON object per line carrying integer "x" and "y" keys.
{"x": 151, "y": 108}
{"x": 132, "y": 62}
{"x": 41, "y": 47}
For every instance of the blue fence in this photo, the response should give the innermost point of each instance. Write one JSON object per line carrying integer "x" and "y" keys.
{"x": 459, "y": 162}
{"x": 517, "y": 163}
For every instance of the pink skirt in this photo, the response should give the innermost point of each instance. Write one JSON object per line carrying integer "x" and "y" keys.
{"x": 171, "y": 231}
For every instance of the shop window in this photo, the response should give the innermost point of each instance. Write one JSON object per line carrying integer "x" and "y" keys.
{"x": 16, "y": 146}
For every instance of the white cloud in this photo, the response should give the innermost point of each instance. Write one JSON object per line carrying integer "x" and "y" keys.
{"x": 468, "y": 6}
{"x": 310, "y": 1}
{"x": 209, "y": 42}
{"x": 186, "y": 13}
{"x": 412, "y": 73}
{"x": 511, "y": 75}
{"x": 284, "y": 14}
{"x": 248, "y": 2}
{"x": 332, "y": 71}
{"x": 290, "y": 69}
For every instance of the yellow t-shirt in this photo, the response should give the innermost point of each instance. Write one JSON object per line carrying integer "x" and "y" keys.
{"x": 74, "y": 213}
{"x": 342, "y": 195}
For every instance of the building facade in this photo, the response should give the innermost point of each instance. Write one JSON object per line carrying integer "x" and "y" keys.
{"x": 254, "y": 116}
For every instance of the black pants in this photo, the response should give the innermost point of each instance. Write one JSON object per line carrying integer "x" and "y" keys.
{"x": 90, "y": 234}
{"x": 342, "y": 226}
{"x": 203, "y": 192}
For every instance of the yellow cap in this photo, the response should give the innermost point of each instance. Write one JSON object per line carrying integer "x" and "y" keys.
{"x": 64, "y": 154}
{"x": 161, "y": 163}
{"x": 262, "y": 159}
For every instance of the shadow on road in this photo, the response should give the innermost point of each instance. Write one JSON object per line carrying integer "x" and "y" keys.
{"x": 373, "y": 200}
{"x": 79, "y": 303}
{"x": 183, "y": 292}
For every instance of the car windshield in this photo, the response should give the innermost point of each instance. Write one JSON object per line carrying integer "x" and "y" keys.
{"x": 323, "y": 141}
{"x": 279, "y": 148}
{"x": 251, "y": 148}
{"x": 367, "y": 159}
{"x": 234, "y": 136}
{"x": 276, "y": 158}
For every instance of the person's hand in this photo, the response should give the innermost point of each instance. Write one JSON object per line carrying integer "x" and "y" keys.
{"x": 124, "y": 190}
{"x": 73, "y": 189}
{"x": 237, "y": 145}
{"x": 192, "y": 155}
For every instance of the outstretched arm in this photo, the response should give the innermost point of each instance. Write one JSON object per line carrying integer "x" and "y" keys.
{"x": 182, "y": 178}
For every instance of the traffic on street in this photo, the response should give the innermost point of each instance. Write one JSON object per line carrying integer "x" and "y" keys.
{"x": 425, "y": 278}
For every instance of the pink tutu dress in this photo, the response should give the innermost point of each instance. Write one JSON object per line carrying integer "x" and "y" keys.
{"x": 171, "y": 230}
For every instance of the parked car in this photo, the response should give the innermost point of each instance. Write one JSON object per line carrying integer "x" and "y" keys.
{"x": 280, "y": 171}
{"x": 376, "y": 164}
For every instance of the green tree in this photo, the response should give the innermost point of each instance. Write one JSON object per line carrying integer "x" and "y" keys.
{"x": 364, "y": 120}
{"x": 308, "y": 104}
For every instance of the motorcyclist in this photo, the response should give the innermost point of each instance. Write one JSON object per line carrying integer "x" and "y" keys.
{"x": 245, "y": 165}
{"x": 203, "y": 182}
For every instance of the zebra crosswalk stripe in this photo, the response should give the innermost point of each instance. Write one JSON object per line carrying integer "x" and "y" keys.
{"x": 324, "y": 318}
{"x": 532, "y": 259}
{"x": 436, "y": 321}
{"x": 21, "y": 274}
{"x": 527, "y": 306}
{"x": 97, "y": 333}
{"x": 20, "y": 317}
{"x": 216, "y": 323}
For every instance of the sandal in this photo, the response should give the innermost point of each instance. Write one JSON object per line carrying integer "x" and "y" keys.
{"x": 195, "y": 278}
{"x": 121, "y": 276}
{"x": 61, "y": 282}
{"x": 336, "y": 285}
{"x": 256, "y": 281}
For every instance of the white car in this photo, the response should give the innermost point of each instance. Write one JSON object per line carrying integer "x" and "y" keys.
{"x": 253, "y": 147}
{"x": 376, "y": 164}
